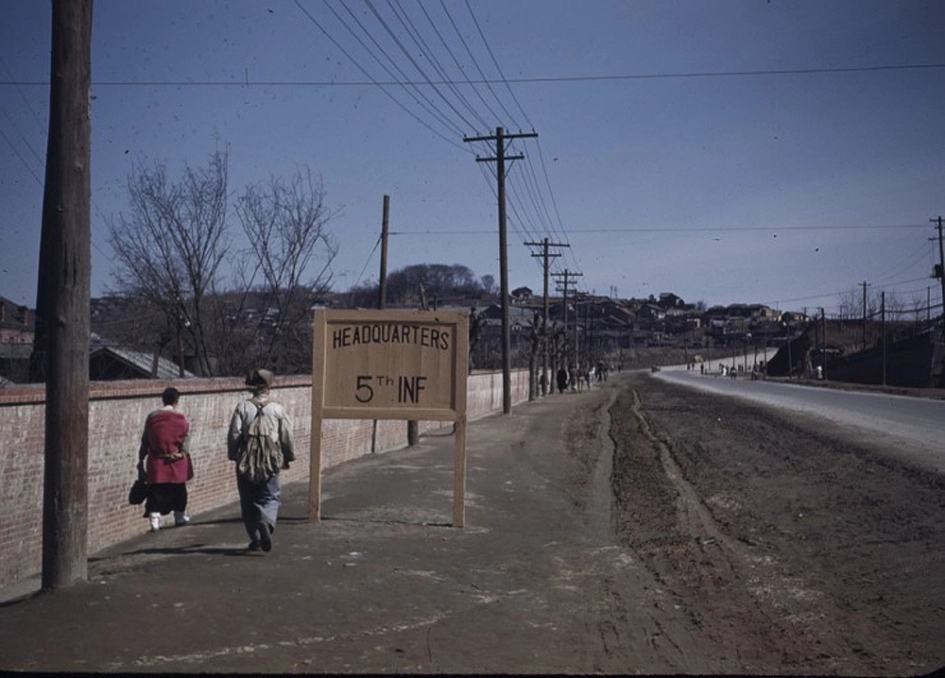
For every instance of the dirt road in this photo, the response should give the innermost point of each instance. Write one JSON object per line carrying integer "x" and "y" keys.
{"x": 637, "y": 528}
{"x": 789, "y": 550}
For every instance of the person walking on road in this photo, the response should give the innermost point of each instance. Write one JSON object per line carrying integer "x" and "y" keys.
{"x": 562, "y": 379}
{"x": 164, "y": 459}
{"x": 260, "y": 442}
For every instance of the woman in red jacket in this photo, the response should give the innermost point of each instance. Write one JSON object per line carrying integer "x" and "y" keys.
{"x": 164, "y": 457}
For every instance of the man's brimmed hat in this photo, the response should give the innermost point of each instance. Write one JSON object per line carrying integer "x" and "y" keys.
{"x": 259, "y": 379}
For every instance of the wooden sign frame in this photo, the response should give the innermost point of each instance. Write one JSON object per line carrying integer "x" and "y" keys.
{"x": 406, "y": 365}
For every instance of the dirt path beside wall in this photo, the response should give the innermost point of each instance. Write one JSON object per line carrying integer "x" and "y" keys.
{"x": 790, "y": 550}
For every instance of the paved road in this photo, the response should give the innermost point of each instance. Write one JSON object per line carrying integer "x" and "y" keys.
{"x": 912, "y": 428}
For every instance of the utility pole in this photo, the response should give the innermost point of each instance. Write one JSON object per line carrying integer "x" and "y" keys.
{"x": 882, "y": 315}
{"x": 61, "y": 351}
{"x": 576, "y": 347}
{"x": 865, "y": 285}
{"x": 381, "y": 305}
{"x": 499, "y": 160}
{"x": 940, "y": 273}
{"x": 546, "y": 256}
{"x": 382, "y": 284}
{"x": 823, "y": 355}
{"x": 568, "y": 276}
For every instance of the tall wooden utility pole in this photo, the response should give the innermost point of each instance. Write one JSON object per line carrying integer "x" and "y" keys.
{"x": 61, "y": 350}
{"x": 546, "y": 256}
{"x": 941, "y": 265}
{"x": 381, "y": 305}
{"x": 499, "y": 160}
{"x": 939, "y": 272}
{"x": 382, "y": 284}
{"x": 865, "y": 285}
{"x": 882, "y": 315}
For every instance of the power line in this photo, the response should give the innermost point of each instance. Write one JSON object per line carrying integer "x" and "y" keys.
{"x": 472, "y": 57}
{"x": 430, "y": 54}
{"x": 685, "y": 229}
{"x": 498, "y": 68}
{"x": 413, "y": 62}
{"x": 373, "y": 81}
{"x": 22, "y": 159}
{"x": 459, "y": 64}
{"x": 239, "y": 82}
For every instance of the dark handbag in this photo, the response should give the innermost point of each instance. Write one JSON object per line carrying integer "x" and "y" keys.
{"x": 139, "y": 491}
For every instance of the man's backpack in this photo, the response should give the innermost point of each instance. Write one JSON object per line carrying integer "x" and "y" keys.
{"x": 261, "y": 457}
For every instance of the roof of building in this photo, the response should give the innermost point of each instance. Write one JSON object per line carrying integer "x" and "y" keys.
{"x": 142, "y": 362}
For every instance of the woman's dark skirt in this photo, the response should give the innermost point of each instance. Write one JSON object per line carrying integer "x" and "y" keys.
{"x": 166, "y": 497}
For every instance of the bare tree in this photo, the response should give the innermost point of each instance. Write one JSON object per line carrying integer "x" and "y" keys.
{"x": 849, "y": 304}
{"x": 170, "y": 247}
{"x": 918, "y": 305}
{"x": 285, "y": 222}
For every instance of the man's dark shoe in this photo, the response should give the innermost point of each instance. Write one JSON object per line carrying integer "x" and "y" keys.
{"x": 254, "y": 546}
{"x": 265, "y": 539}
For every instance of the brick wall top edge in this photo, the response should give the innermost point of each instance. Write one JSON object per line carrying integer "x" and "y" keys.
{"x": 33, "y": 394}
{"x": 135, "y": 388}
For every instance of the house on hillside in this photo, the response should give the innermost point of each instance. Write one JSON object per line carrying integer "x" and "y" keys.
{"x": 16, "y": 323}
{"x": 670, "y": 300}
{"x": 16, "y": 341}
{"x": 651, "y": 312}
{"x": 794, "y": 318}
{"x": 764, "y": 313}
{"x": 521, "y": 296}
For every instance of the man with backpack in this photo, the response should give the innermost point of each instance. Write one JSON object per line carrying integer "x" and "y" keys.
{"x": 260, "y": 442}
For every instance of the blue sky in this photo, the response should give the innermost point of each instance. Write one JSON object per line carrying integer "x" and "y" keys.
{"x": 727, "y": 151}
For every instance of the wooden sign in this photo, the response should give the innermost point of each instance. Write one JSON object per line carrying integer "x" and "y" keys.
{"x": 390, "y": 365}
{"x": 386, "y": 364}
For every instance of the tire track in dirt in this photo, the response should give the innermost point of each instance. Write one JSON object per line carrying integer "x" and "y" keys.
{"x": 745, "y": 605}
{"x": 635, "y": 628}
{"x": 792, "y": 549}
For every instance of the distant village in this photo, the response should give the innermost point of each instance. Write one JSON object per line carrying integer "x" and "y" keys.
{"x": 587, "y": 328}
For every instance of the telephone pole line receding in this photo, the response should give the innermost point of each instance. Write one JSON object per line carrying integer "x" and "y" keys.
{"x": 568, "y": 275}
{"x": 499, "y": 159}
{"x": 546, "y": 256}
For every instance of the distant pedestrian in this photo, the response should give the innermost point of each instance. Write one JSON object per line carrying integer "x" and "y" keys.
{"x": 165, "y": 461}
{"x": 562, "y": 380}
{"x": 260, "y": 442}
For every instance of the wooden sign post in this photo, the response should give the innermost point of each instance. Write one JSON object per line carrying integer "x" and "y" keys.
{"x": 390, "y": 365}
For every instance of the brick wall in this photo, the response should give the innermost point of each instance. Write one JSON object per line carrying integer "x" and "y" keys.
{"x": 117, "y": 411}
